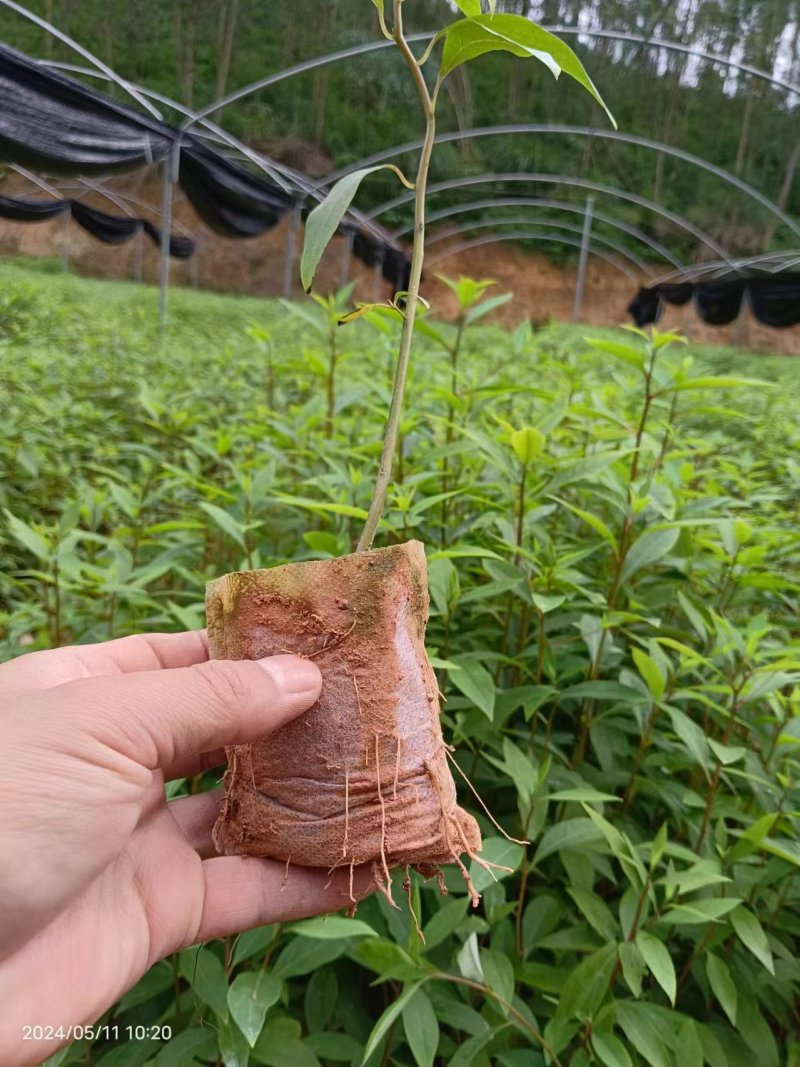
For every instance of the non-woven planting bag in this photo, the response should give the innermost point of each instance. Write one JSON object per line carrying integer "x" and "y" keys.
{"x": 362, "y": 777}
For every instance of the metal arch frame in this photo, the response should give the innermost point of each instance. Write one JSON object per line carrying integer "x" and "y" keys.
{"x": 774, "y": 262}
{"x": 505, "y": 130}
{"x": 530, "y": 235}
{"x": 126, "y": 86}
{"x": 558, "y": 205}
{"x": 560, "y": 179}
{"x": 549, "y": 224}
{"x": 677, "y": 46}
{"x": 418, "y": 38}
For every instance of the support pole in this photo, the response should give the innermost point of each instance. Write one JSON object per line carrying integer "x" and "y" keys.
{"x": 580, "y": 284}
{"x": 65, "y": 241}
{"x": 291, "y": 243}
{"x": 138, "y": 256}
{"x": 346, "y": 256}
{"x": 169, "y": 169}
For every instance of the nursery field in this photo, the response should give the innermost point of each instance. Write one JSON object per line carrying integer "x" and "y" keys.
{"x": 614, "y": 566}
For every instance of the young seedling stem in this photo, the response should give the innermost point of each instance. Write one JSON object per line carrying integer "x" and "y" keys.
{"x": 428, "y": 100}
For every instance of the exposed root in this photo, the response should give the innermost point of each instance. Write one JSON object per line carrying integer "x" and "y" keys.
{"x": 407, "y": 887}
{"x": 383, "y": 824}
{"x": 491, "y": 817}
{"x": 346, "y": 814}
{"x": 396, "y": 768}
{"x": 447, "y": 818}
{"x": 285, "y": 881}
{"x": 384, "y": 888}
{"x": 352, "y": 898}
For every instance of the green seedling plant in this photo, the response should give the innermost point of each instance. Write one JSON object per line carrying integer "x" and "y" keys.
{"x": 459, "y": 42}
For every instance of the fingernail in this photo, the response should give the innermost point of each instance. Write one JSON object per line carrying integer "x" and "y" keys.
{"x": 293, "y": 674}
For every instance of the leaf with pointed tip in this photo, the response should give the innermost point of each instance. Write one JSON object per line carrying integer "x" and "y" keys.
{"x": 324, "y": 220}
{"x": 468, "y": 38}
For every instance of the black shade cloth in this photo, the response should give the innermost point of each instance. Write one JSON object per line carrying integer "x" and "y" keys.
{"x": 774, "y": 300}
{"x": 179, "y": 247}
{"x": 228, "y": 198}
{"x": 52, "y": 122}
{"x": 646, "y": 307}
{"x": 55, "y": 124}
{"x": 678, "y": 294}
{"x": 719, "y": 303}
{"x": 111, "y": 229}
{"x": 31, "y": 210}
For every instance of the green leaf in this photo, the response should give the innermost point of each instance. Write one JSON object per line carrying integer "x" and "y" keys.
{"x": 701, "y": 911}
{"x": 726, "y": 754}
{"x": 656, "y": 955}
{"x": 226, "y": 522}
{"x": 498, "y": 972}
{"x": 385, "y": 1021}
{"x": 649, "y": 670}
{"x": 638, "y": 1026}
{"x": 610, "y": 1050}
{"x": 650, "y": 548}
{"x": 583, "y": 993}
{"x": 633, "y": 967}
{"x": 722, "y": 985}
{"x": 501, "y": 853}
{"x": 322, "y": 994}
{"x": 205, "y": 974}
{"x": 324, "y": 220}
{"x": 692, "y": 736}
{"x": 751, "y": 933}
{"x": 723, "y": 382}
{"x": 304, "y": 954}
{"x": 528, "y": 444}
{"x": 546, "y": 604}
{"x": 468, "y": 38}
{"x": 186, "y": 1048}
{"x": 474, "y": 681}
{"x": 470, "y": 8}
{"x": 27, "y": 536}
{"x": 596, "y": 912}
{"x": 567, "y": 834}
{"x": 341, "y": 1048}
{"x": 584, "y": 794}
{"x": 250, "y": 996}
{"x": 328, "y": 927}
{"x": 421, "y": 1028}
{"x": 596, "y": 523}
{"x": 634, "y": 357}
{"x": 444, "y": 922}
{"x": 253, "y": 941}
{"x": 278, "y": 1048}
{"x": 603, "y": 690}
{"x": 387, "y": 959}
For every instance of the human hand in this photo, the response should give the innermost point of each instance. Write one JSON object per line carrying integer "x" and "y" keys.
{"x": 100, "y": 877}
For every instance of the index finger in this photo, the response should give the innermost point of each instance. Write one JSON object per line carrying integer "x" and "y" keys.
{"x": 38, "y": 671}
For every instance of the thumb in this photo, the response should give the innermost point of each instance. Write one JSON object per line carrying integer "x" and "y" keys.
{"x": 157, "y": 717}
